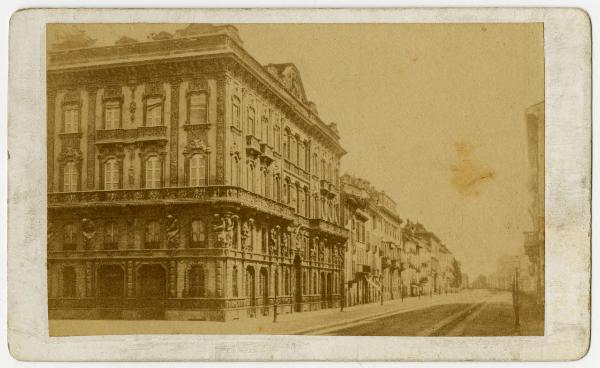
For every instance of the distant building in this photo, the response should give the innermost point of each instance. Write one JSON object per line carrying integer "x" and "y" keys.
{"x": 535, "y": 239}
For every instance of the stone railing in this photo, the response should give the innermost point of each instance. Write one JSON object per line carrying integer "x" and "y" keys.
{"x": 141, "y": 133}
{"x": 332, "y": 229}
{"x": 169, "y": 195}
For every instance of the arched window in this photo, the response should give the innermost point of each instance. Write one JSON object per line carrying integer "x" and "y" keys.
{"x": 265, "y": 129}
{"x": 70, "y": 177}
{"x": 277, "y": 136}
{"x": 323, "y": 170}
{"x": 111, "y": 234}
{"x": 267, "y": 184}
{"x": 198, "y": 110}
{"x": 196, "y": 281}
{"x": 250, "y": 177}
{"x": 293, "y": 150}
{"x": 301, "y": 155}
{"x": 264, "y": 240}
{"x": 259, "y": 182}
{"x": 153, "y": 172}
{"x": 305, "y": 282}
{"x": 197, "y": 234}
{"x": 154, "y": 112}
{"x": 234, "y": 281}
{"x": 315, "y": 168}
{"x": 236, "y": 112}
{"x": 251, "y": 120}
{"x": 197, "y": 170}
{"x": 152, "y": 235}
{"x": 69, "y": 237}
{"x": 235, "y": 171}
{"x": 69, "y": 282}
{"x": 276, "y": 188}
{"x": 111, "y": 174}
{"x": 287, "y": 145}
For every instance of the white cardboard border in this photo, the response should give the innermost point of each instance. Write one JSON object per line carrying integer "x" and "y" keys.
{"x": 568, "y": 195}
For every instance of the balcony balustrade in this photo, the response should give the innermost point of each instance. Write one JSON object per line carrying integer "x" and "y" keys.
{"x": 253, "y": 145}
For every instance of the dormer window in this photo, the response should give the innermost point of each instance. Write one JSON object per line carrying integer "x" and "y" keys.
{"x": 154, "y": 106}
{"x": 112, "y": 115}
{"x": 198, "y": 108}
{"x": 71, "y": 118}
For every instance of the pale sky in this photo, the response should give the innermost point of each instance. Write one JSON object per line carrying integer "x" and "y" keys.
{"x": 432, "y": 114}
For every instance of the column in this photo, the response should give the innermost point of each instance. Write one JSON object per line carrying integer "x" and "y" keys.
{"x": 174, "y": 138}
{"x": 130, "y": 285}
{"x": 91, "y": 136}
{"x": 172, "y": 279}
{"x": 89, "y": 275}
{"x": 51, "y": 111}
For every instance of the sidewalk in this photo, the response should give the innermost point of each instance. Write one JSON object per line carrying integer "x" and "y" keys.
{"x": 287, "y": 324}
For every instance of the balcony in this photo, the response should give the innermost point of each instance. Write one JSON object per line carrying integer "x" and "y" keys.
{"x": 131, "y": 135}
{"x": 182, "y": 195}
{"x": 146, "y": 133}
{"x": 327, "y": 227}
{"x": 266, "y": 153}
{"x": 253, "y": 145}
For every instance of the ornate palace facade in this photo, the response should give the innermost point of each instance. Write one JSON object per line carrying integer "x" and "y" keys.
{"x": 187, "y": 181}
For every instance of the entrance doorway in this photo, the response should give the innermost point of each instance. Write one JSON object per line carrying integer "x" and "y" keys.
{"x": 251, "y": 290}
{"x": 298, "y": 288}
{"x": 152, "y": 291}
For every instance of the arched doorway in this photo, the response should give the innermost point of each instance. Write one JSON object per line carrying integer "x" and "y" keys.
{"x": 110, "y": 289}
{"x": 251, "y": 290}
{"x": 298, "y": 288}
{"x": 152, "y": 291}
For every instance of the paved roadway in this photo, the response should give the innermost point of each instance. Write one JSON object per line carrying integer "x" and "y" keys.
{"x": 489, "y": 316}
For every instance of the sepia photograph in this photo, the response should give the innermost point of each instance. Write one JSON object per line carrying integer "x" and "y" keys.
{"x": 370, "y": 179}
{"x": 299, "y": 185}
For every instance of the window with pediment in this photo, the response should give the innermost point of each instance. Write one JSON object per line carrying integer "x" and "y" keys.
{"x": 154, "y": 111}
{"x": 111, "y": 235}
{"x": 69, "y": 237}
{"x": 70, "y": 177}
{"x": 112, "y": 114}
{"x": 71, "y": 118}
{"x": 198, "y": 108}
{"x": 198, "y": 234}
{"x": 152, "y": 235}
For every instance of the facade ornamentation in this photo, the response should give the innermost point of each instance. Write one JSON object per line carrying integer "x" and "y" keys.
{"x": 273, "y": 237}
{"x": 223, "y": 227}
{"x": 88, "y": 229}
{"x": 172, "y": 232}
{"x": 246, "y": 233}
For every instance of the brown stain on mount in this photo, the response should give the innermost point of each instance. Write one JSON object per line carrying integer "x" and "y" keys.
{"x": 468, "y": 173}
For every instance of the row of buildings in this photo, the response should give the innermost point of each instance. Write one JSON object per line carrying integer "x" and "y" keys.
{"x": 188, "y": 181}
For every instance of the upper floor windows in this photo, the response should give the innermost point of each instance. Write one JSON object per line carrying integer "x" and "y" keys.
{"x": 235, "y": 170}
{"x": 70, "y": 177}
{"x": 197, "y": 234}
{"x": 153, "y": 173}
{"x": 198, "y": 108}
{"x": 236, "y": 112}
{"x": 69, "y": 237}
{"x": 112, "y": 115}
{"x": 265, "y": 129}
{"x": 71, "y": 118}
{"x": 277, "y": 138}
{"x": 111, "y": 232}
{"x": 152, "y": 235}
{"x": 251, "y": 121}
{"x": 198, "y": 170}
{"x": 154, "y": 111}
{"x": 111, "y": 174}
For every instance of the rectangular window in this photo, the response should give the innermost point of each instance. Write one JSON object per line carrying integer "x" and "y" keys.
{"x": 71, "y": 123}
{"x": 198, "y": 108}
{"x": 111, "y": 175}
{"x": 198, "y": 234}
{"x": 70, "y": 177}
{"x": 197, "y": 170}
{"x": 153, "y": 174}
{"x": 154, "y": 112}
{"x": 236, "y": 112}
{"x": 112, "y": 115}
{"x": 251, "y": 119}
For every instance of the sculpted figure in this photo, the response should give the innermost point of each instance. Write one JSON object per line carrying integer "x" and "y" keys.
{"x": 88, "y": 229}
{"x": 245, "y": 236}
{"x": 273, "y": 241}
{"x": 285, "y": 244}
{"x": 172, "y": 232}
